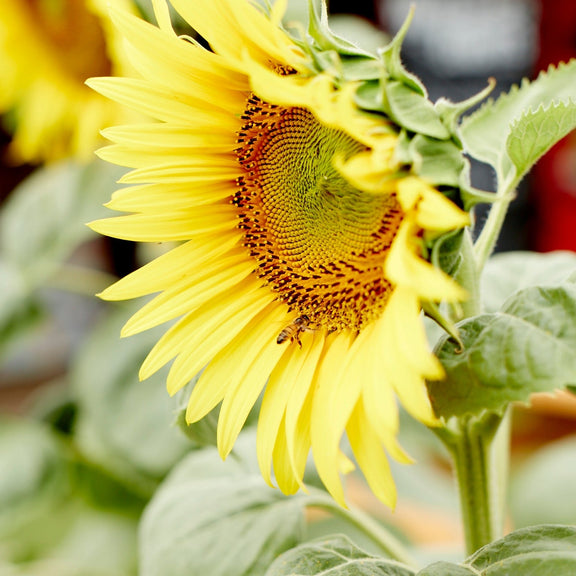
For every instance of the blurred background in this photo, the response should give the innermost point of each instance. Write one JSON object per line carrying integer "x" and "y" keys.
{"x": 83, "y": 444}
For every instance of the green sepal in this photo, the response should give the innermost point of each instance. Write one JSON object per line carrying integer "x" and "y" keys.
{"x": 440, "y": 162}
{"x": 393, "y": 63}
{"x": 402, "y": 152}
{"x": 432, "y": 310}
{"x": 412, "y": 110}
{"x": 451, "y": 112}
{"x": 370, "y": 96}
{"x": 325, "y": 39}
{"x": 471, "y": 196}
{"x": 446, "y": 252}
{"x": 356, "y": 69}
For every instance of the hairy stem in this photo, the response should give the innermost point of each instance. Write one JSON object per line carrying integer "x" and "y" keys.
{"x": 489, "y": 236}
{"x": 479, "y": 463}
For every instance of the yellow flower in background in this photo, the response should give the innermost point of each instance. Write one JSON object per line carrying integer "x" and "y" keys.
{"x": 300, "y": 271}
{"x": 48, "y": 48}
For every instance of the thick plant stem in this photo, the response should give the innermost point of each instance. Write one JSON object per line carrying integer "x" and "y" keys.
{"x": 386, "y": 541}
{"x": 478, "y": 465}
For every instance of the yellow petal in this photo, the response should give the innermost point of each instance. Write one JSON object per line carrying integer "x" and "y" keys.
{"x": 371, "y": 457}
{"x": 168, "y": 268}
{"x": 194, "y": 292}
{"x": 405, "y": 268}
{"x": 325, "y": 445}
{"x": 220, "y": 380}
{"x": 253, "y": 362}
{"x": 433, "y": 210}
{"x": 299, "y": 407}
{"x": 288, "y": 481}
{"x": 274, "y": 402}
{"x": 153, "y": 198}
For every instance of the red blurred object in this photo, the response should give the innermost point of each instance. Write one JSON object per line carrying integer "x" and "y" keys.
{"x": 554, "y": 177}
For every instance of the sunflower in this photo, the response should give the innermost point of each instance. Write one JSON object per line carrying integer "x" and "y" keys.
{"x": 301, "y": 265}
{"x": 48, "y": 48}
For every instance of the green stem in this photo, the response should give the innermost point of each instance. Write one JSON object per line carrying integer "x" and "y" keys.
{"x": 478, "y": 463}
{"x": 488, "y": 237}
{"x": 468, "y": 277}
{"x": 387, "y": 542}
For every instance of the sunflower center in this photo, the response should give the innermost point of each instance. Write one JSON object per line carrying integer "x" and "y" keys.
{"x": 319, "y": 242}
{"x": 74, "y": 33}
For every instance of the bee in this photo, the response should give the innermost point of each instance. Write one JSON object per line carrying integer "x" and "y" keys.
{"x": 293, "y": 330}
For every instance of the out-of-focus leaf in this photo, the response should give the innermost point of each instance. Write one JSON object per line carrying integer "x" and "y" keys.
{"x": 99, "y": 541}
{"x": 94, "y": 543}
{"x": 125, "y": 425}
{"x": 35, "y": 482}
{"x": 507, "y": 273}
{"x": 211, "y": 517}
{"x": 334, "y": 556}
{"x": 19, "y": 310}
{"x": 45, "y": 217}
{"x": 542, "y": 490}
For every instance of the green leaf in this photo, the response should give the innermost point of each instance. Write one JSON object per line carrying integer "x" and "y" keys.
{"x": 205, "y": 431}
{"x": 45, "y": 217}
{"x": 447, "y": 252}
{"x": 99, "y": 542}
{"x": 548, "y": 550}
{"x": 546, "y": 481}
{"x": 216, "y": 518}
{"x": 319, "y": 30}
{"x": 413, "y": 111}
{"x": 440, "y": 162}
{"x": 37, "y": 466}
{"x": 493, "y": 132}
{"x": 125, "y": 425}
{"x": 393, "y": 63}
{"x": 530, "y": 346}
{"x": 19, "y": 310}
{"x": 447, "y": 569}
{"x": 334, "y": 556}
{"x": 507, "y": 273}
{"x": 535, "y": 132}
{"x": 451, "y": 112}
{"x": 34, "y": 485}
